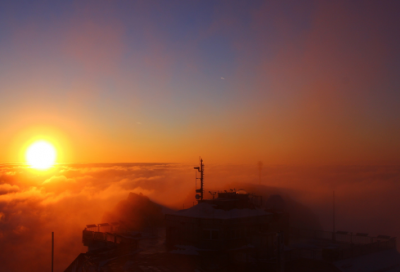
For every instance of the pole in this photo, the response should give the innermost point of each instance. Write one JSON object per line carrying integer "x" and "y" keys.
{"x": 201, "y": 177}
{"x": 201, "y": 190}
{"x": 333, "y": 216}
{"x": 281, "y": 252}
{"x": 52, "y": 251}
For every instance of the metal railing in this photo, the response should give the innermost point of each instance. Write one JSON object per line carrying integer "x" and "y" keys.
{"x": 89, "y": 237}
{"x": 104, "y": 227}
{"x": 339, "y": 236}
{"x": 349, "y": 245}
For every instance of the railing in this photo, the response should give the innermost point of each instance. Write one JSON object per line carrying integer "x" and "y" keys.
{"x": 349, "y": 245}
{"x": 104, "y": 227}
{"x": 339, "y": 236}
{"x": 89, "y": 237}
{"x": 358, "y": 250}
{"x": 310, "y": 234}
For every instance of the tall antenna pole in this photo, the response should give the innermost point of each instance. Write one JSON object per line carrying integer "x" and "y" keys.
{"x": 201, "y": 190}
{"x": 333, "y": 216}
{"x": 52, "y": 251}
{"x": 201, "y": 178}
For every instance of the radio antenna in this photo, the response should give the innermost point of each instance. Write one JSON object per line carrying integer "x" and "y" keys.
{"x": 201, "y": 190}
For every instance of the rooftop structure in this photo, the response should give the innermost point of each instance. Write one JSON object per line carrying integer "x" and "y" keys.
{"x": 232, "y": 232}
{"x": 233, "y": 223}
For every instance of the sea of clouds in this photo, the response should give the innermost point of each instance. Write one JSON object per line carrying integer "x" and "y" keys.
{"x": 66, "y": 198}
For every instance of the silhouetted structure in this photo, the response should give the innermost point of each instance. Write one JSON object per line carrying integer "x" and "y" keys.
{"x": 52, "y": 251}
{"x": 233, "y": 232}
{"x": 233, "y": 220}
{"x": 107, "y": 235}
{"x": 201, "y": 190}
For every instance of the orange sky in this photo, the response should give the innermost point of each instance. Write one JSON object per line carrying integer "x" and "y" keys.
{"x": 309, "y": 83}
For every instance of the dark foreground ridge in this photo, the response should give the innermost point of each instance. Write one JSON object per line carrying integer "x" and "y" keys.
{"x": 236, "y": 231}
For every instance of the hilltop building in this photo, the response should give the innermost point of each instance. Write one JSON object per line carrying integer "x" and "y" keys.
{"x": 235, "y": 231}
{"x": 233, "y": 224}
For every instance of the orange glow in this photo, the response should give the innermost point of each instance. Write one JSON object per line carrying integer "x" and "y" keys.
{"x": 41, "y": 155}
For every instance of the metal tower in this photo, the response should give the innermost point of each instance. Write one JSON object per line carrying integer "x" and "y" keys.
{"x": 201, "y": 190}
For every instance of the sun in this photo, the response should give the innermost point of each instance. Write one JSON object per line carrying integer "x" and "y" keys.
{"x": 41, "y": 155}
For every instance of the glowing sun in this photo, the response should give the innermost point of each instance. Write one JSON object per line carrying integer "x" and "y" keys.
{"x": 41, "y": 155}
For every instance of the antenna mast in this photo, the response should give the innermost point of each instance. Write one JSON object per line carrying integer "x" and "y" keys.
{"x": 333, "y": 216}
{"x": 201, "y": 190}
{"x": 52, "y": 251}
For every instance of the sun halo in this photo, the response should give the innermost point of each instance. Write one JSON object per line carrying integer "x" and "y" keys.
{"x": 41, "y": 155}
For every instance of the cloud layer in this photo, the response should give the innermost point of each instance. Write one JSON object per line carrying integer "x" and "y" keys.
{"x": 68, "y": 197}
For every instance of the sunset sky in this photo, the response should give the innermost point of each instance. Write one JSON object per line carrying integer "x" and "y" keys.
{"x": 131, "y": 93}
{"x": 285, "y": 82}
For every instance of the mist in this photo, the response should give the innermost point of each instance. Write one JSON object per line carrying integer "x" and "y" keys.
{"x": 68, "y": 197}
